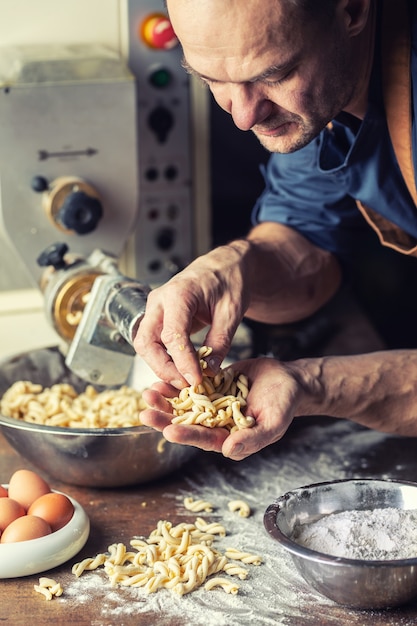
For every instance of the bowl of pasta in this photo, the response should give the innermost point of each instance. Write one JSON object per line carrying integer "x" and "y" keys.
{"x": 79, "y": 434}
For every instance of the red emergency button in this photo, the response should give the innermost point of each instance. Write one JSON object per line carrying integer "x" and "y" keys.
{"x": 157, "y": 32}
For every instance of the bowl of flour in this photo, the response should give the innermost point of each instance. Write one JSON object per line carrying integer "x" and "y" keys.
{"x": 354, "y": 541}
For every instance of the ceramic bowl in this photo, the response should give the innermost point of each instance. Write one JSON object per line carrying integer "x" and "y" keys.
{"x": 25, "y": 558}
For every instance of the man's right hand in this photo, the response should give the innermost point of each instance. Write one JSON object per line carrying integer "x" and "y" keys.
{"x": 212, "y": 291}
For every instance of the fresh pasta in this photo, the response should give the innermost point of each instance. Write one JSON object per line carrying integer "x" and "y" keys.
{"x": 197, "y": 505}
{"x": 245, "y": 557}
{"x": 62, "y": 405}
{"x": 178, "y": 558}
{"x": 88, "y": 564}
{"x": 239, "y": 506}
{"x": 213, "y": 528}
{"x": 224, "y": 583}
{"x": 48, "y": 587}
{"x": 215, "y": 402}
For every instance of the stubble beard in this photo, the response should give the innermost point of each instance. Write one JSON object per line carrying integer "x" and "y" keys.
{"x": 286, "y": 143}
{"x": 302, "y": 130}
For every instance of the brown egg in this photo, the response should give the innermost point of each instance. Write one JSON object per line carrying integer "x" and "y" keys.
{"x": 26, "y": 486}
{"x": 25, "y": 528}
{"x": 54, "y": 508}
{"x": 3, "y": 492}
{"x": 9, "y": 511}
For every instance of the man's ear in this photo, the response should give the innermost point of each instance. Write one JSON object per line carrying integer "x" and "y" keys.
{"x": 355, "y": 15}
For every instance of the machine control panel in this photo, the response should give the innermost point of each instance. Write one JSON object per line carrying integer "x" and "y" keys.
{"x": 164, "y": 234}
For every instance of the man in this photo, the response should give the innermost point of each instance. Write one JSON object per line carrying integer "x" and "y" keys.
{"x": 313, "y": 81}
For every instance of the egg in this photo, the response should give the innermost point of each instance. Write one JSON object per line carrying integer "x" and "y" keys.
{"x": 3, "y": 492}
{"x": 26, "y": 486}
{"x": 25, "y": 528}
{"x": 9, "y": 511}
{"x": 54, "y": 508}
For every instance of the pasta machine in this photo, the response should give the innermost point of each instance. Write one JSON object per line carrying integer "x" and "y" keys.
{"x": 96, "y": 309}
{"x": 99, "y": 167}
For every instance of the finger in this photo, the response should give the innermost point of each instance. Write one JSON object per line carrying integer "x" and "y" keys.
{"x": 158, "y": 420}
{"x": 148, "y": 345}
{"x": 208, "y": 439}
{"x": 179, "y": 319}
{"x": 247, "y": 441}
{"x": 183, "y": 354}
{"x": 219, "y": 338}
{"x": 168, "y": 350}
{"x": 240, "y": 445}
{"x": 215, "y": 359}
{"x": 149, "y": 342}
{"x": 155, "y": 397}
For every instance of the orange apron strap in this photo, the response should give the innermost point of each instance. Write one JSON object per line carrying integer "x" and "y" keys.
{"x": 388, "y": 233}
{"x": 396, "y": 46}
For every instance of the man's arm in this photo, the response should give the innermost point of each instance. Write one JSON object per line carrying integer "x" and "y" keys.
{"x": 292, "y": 278}
{"x": 275, "y": 275}
{"x": 377, "y": 390}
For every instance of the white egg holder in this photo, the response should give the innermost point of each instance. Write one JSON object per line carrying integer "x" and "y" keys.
{"x": 24, "y": 558}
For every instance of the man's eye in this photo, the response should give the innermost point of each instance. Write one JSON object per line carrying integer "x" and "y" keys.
{"x": 272, "y": 81}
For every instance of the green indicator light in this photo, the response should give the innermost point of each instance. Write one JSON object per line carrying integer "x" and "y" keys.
{"x": 160, "y": 78}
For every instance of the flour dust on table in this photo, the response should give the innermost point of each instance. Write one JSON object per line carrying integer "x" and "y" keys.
{"x": 273, "y": 593}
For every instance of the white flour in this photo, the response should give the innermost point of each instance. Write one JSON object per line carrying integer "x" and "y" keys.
{"x": 377, "y": 535}
{"x": 274, "y": 593}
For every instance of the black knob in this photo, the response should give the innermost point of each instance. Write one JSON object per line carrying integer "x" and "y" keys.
{"x": 165, "y": 239}
{"x": 161, "y": 121}
{"x": 80, "y": 212}
{"x": 39, "y": 183}
{"x": 53, "y": 255}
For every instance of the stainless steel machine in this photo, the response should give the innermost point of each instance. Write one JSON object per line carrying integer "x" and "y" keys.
{"x": 103, "y": 166}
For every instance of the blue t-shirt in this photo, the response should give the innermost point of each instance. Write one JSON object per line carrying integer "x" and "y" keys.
{"x": 314, "y": 190}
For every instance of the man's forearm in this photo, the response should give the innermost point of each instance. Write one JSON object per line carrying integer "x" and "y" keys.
{"x": 377, "y": 390}
{"x": 290, "y": 278}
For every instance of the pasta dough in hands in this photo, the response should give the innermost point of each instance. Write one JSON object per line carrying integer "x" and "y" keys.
{"x": 215, "y": 402}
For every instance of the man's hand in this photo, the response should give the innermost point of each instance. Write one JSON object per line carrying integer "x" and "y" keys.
{"x": 272, "y": 401}
{"x": 211, "y": 292}
{"x": 377, "y": 390}
{"x": 274, "y": 276}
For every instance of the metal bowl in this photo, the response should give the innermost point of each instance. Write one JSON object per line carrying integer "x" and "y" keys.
{"x": 358, "y": 584}
{"x": 92, "y": 457}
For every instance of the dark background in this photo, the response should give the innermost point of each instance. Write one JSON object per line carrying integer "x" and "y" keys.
{"x": 384, "y": 283}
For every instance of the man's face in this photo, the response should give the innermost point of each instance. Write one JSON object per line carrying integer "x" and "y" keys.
{"x": 277, "y": 75}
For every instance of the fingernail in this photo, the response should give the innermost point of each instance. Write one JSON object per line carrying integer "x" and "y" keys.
{"x": 176, "y": 383}
{"x": 189, "y": 379}
{"x": 214, "y": 363}
{"x": 237, "y": 450}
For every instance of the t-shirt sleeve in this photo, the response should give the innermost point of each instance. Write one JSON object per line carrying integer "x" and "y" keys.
{"x": 298, "y": 194}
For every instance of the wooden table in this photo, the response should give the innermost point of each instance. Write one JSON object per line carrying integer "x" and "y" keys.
{"x": 312, "y": 451}
{"x": 117, "y": 515}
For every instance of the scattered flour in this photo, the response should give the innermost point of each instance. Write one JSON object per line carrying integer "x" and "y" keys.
{"x": 376, "y": 535}
{"x": 274, "y": 594}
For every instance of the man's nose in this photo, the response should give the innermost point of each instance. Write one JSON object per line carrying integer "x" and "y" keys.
{"x": 248, "y": 105}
